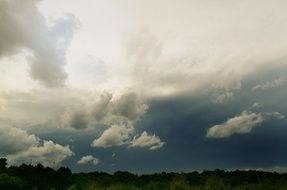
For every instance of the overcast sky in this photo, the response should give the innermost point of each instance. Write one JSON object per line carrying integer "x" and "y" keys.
{"x": 144, "y": 86}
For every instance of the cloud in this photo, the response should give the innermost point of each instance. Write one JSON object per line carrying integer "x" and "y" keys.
{"x": 256, "y": 105}
{"x": 277, "y": 115}
{"x": 121, "y": 114}
{"x": 116, "y": 135}
{"x": 152, "y": 142}
{"x": 273, "y": 84}
{"x": 89, "y": 159}
{"x": 127, "y": 107}
{"x": 23, "y": 27}
{"x": 75, "y": 119}
{"x": 223, "y": 97}
{"x": 242, "y": 124}
{"x": 48, "y": 154}
{"x": 14, "y": 139}
{"x": 106, "y": 110}
{"x": 20, "y": 147}
{"x": 69, "y": 109}
{"x": 38, "y": 107}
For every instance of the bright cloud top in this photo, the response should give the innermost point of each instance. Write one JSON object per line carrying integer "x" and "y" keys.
{"x": 244, "y": 123}
{"x": 89, "y": 159}
{"x": 153, "y": 142}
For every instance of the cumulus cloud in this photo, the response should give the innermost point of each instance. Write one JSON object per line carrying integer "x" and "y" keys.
{"x": 20, "y": 147}
{"x": 23, "y": 27}
{"x": 106, "y": 110}
{"x": 265, "y": 86}
{"x": 152, "y": 142}
{"x": 242, "y": 124}
{"x": 14, "y": 139}
{"x": 48, "y": 154}
{"x": 89, "y": 159}
{"x": 75, "y": 119}
{"x": 116, "y": 135}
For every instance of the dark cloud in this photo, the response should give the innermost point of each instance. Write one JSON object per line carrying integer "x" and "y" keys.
{"x": 23, "y": 27}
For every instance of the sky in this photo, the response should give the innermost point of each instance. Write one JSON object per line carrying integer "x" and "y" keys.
{"x": 144, "y": 85}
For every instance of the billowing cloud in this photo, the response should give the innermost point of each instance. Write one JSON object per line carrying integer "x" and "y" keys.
{"x": 152, "y": 142}
{"x": 116, "y": 135}
{"x": 265, "y": 86}
{"x": 89, "y": 159}
{"x": 48, "y": 154}
{"x": 23, "y": 27}
{"x": 106, "y": 110}
{"x": 242, "y": 124}
{"x": 75, "y": 119}
{"x": 14, "y": 139}
{"x": 20, "y": 147}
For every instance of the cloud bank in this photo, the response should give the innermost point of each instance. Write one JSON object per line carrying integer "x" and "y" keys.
{"x": 20, "y": 147}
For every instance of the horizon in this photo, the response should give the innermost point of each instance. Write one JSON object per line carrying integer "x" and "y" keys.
{"x": 144, "y": 86}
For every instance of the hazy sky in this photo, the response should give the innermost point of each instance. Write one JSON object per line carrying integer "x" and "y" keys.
{"x": 144, "y": 85}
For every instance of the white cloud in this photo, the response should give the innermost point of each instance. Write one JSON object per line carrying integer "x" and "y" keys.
{"x": 20, "y": 147}
{"x": 89, "y": 159}
{"x": 116, "y": 135}
{"x": 242, "y": 124}
{"x": 265, "y": 86}
{"x": 145, "y": 140}
{"x": 48, "y": 154}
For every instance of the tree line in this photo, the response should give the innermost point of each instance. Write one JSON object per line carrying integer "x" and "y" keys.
{"x": 38, "y": 177}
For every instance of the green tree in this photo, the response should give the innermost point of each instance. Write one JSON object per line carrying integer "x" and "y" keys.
{"x": 10, "y": 182}
{"x": 3, "y": 164}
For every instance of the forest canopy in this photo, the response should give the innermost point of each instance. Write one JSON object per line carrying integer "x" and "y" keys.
{"x": 36, "y": 177}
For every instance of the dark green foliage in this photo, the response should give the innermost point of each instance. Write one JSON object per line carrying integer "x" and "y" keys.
{"x": 27, "y": 177}
{"x": 3, "y": 164}
{"x": 10, "y": 182}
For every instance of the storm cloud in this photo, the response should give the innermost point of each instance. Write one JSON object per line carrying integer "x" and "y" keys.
{"x": 23, "y": 27}
{"x": 199, "y": 83}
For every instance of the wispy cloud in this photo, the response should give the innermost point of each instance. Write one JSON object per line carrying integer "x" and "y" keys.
{"x": 268, "y": 85}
